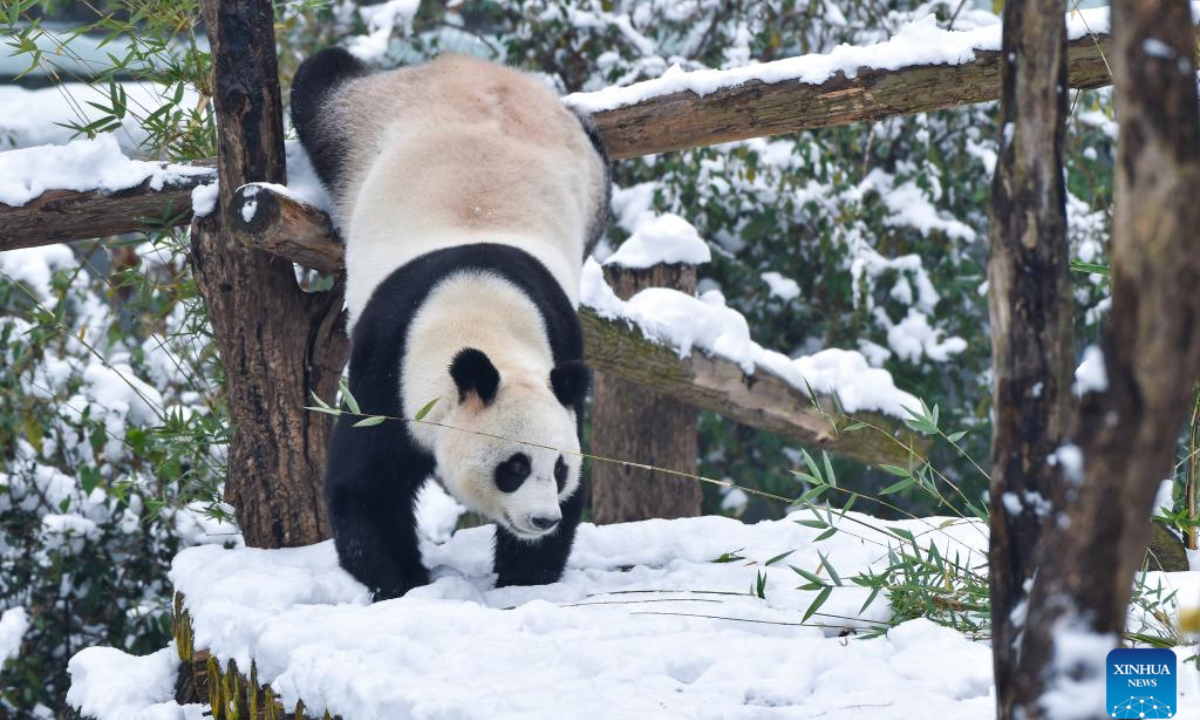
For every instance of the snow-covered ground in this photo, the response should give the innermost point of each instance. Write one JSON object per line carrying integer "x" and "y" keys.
{"x": 644, "y": 624}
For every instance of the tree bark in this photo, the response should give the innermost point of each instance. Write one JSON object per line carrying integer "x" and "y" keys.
{"x": 1029, "y": 303}
{"x": 1126, "y": 432}
{"x": 630, "y": 422}
{"x": 276, "y": 342}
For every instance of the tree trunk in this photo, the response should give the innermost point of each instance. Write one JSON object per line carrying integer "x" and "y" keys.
{"x": 276, "y": 342}
{"x": 631, "y": 423}
{"x": 1029, "y": 302}
{"x": 1125, "y": 433}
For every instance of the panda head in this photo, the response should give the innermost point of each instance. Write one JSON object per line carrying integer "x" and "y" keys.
{"x": 519, "y": 485}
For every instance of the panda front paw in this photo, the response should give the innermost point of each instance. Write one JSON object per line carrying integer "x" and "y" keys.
{"x": 400, "y": 584}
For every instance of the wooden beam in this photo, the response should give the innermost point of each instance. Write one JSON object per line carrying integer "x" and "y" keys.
{"x": 64, "y": 215}
{"x": 763, "y": 400}
{"x": 756, "y": 109}
{"x": 666, "y": 123}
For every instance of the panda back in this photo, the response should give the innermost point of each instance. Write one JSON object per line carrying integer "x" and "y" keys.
{"x": 459, "y": 152}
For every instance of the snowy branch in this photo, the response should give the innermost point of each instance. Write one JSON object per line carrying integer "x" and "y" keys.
{"x": 671, "y": 113}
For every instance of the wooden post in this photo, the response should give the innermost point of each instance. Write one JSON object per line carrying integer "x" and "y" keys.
{"x": 1127, "y": 424}
{"x": 630, "y": 422}
{"x": 1030, "y": 303}
{"x": 276, "y": 342}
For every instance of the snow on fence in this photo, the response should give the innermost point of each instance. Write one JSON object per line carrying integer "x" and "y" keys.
{"x": 922, "y": 69}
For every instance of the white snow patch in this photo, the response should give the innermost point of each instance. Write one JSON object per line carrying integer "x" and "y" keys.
{"x": 35, "y": 267}
{"x": 42, "y": 117}
{"x": 108, "y": 684}
{"x": 913, "y": 337}
{"x": 1158, "y": 49}
{"x": 204, "y": 199}
{"x": 786, "y": 289}
{"x": 437, "y": 513}
{"x": 81, "y": 165}
{"x": 875, "y": 353}
{"x": 1078, "y": 686}
{"x": 665, "y": 239}
{"x": 13, "y": 624}
{"x": 1071, "y": 459}
{"x": 734, "y": 499}
{"x": 1164, "y": 499}
{"x": 195, "y": 526}
{"x": 381, "y": 20}
{"x": 1091, "y": 375}
{"x": 461, "y": 648}
{"x": 910, "y": 208}
{"x": 683, "y": 322}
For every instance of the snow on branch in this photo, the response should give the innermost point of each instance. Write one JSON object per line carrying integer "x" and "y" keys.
{"x": 921, "y": 69}
{"x": 89, "y": 188}
{"x": 741, "y": 380}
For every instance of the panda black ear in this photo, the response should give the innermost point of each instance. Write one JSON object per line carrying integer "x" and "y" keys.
{"x": 570, "y": 382}
{"x": 473, "y": 372}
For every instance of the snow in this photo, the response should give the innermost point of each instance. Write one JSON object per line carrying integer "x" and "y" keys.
{"x": 619, "y": 636}
{"x": 41, "y": 117}
{"x": 1164, "y": 499}
{"x": 913, "y": 337}
{"x": 1157, "y": 48}
{"x": 204, "y": 199}
{"x": 437, "y": 513}
{"x": 920, "y": 42}
{"x": 250, "y": 206}
{"x": 381, "y": 20}
{"x": 107, "y": 684}
{"x": 1071, "y": 459}
{"x": 13, "y": 624}
{"x": 195, "y": 526}
{"x": 683, "y": 322}
{"x": 81, "y": 165}
{"x": 35, "y": 267}
{"x": 1091, "y": 375}
{"x": 786, "y": 289}
{"x": 910, "y": 208}
{"x": 664, "y": 239}
{"x": 1078, "y": 687}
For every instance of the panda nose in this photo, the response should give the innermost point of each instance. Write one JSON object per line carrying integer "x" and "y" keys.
{"x": 544, "y": 522}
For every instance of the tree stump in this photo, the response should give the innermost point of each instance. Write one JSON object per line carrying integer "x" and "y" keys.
{"x": 630, "y": 422}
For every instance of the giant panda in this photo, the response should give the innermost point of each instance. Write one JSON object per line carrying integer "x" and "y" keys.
{"x": 467, "y": 197}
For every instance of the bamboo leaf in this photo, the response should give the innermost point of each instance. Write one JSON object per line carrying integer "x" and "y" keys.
{"x": 349, "y": 398}
{"x": 816, "y": 605}
{"x": 425, "y": 409}
{"x": 370, "y": 421}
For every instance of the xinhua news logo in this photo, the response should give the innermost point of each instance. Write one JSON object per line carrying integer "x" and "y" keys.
{"x": 1141, "y": 684}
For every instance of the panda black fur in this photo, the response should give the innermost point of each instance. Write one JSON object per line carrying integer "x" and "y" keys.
{"x": 467, "y": 197}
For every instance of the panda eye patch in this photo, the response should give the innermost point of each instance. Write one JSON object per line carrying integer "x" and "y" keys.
{"x": 512, "y": 472}
{"x": 560, "y": 473}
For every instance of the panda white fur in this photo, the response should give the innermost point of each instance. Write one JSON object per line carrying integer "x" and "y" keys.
{"x": 467, "y": 197}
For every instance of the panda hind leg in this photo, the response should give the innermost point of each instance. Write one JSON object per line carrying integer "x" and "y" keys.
{"x": 316, "y": 78}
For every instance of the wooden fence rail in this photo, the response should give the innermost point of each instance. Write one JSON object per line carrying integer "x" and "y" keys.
{"x": 654, "y": 125}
